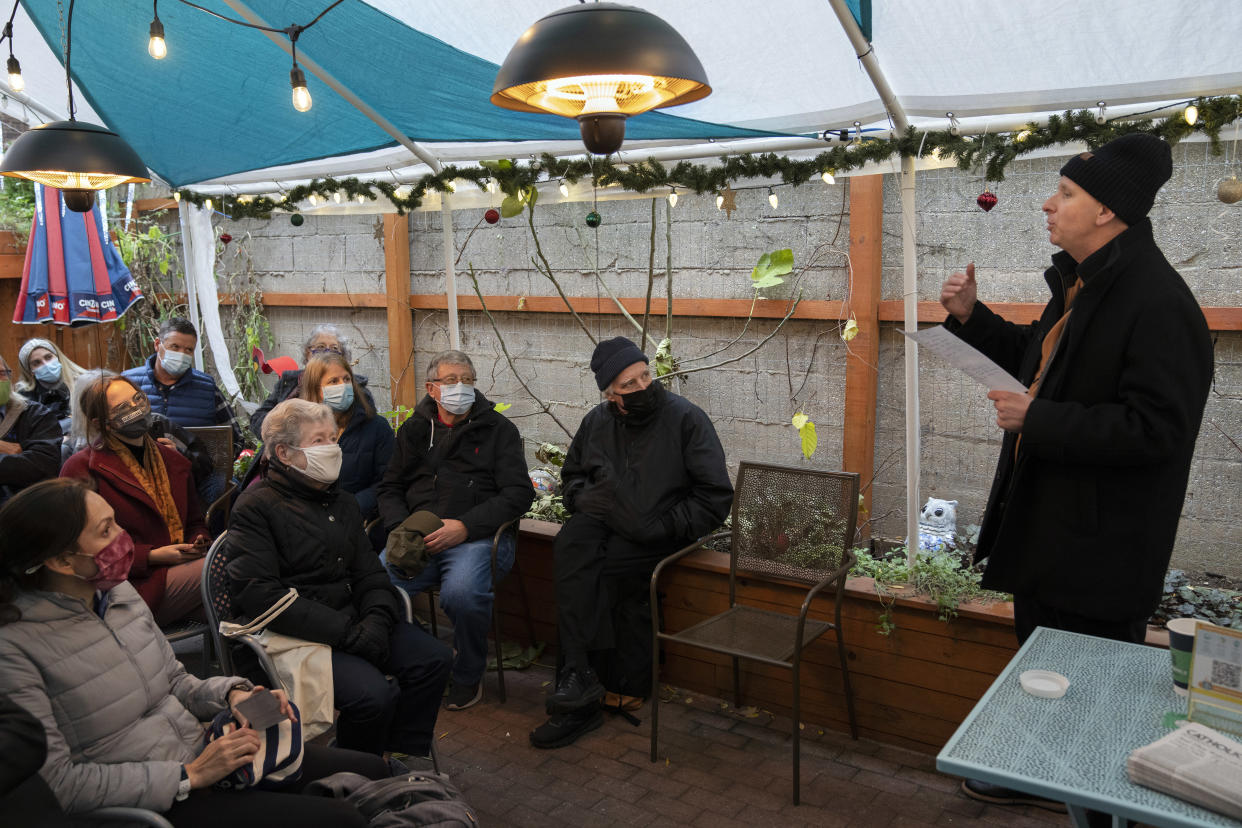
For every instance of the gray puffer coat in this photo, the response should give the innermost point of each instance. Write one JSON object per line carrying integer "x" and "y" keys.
{"x": 121, "y": 713}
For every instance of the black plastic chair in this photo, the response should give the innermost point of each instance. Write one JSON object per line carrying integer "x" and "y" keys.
{"x": 794, "y": 524}
{"x": 218, "y": 440}
{"x": 129, "y": 816}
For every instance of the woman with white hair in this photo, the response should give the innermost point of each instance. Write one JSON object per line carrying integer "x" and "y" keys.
{"x": 47, "y": 377}
{"x": 296, "y": 528}
{"x": 324, "y": 339}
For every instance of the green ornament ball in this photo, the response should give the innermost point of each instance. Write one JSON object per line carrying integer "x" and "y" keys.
{"x": 296, "y": 219}
{"x": 593, "y": 219}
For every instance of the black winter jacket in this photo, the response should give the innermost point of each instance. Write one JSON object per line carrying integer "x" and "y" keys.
{"x": 37, "y": 431}
{"x": 1085, "y": 518}
{"x": 285, "y": 533}
{"x": 663, "y": 476}
{"x": 474, "y": 471}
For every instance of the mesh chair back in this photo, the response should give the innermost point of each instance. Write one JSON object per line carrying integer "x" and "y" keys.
{"x": 793, "y": 523}
{"x": 218, "y": 440}
{"x": 217, "y": 604}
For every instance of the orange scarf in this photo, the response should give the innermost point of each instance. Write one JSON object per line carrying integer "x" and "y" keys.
{"x": 152, "y": 476}
{"x": 1053, "y": 338}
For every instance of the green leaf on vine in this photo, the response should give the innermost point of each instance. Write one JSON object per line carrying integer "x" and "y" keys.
{"x": 664, "y": 358}
{"x": 771, "y": 266}
{"x": 806, "y": 429}
{"x": 503, "y": 407}
{"x": 511, "y": 206}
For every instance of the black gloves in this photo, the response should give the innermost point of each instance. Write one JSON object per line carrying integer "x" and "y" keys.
{"x": 368, "y": 639}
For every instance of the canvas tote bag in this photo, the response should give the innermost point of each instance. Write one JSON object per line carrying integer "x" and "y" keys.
{"x": 304, "y": 667}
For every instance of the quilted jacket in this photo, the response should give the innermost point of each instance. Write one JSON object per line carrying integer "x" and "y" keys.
{"x": 121, "y": 713}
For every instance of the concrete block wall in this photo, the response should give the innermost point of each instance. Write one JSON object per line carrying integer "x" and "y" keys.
{"x": 752, "y": 400}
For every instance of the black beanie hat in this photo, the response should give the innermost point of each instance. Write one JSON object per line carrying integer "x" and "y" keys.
{"x": 611, "y": 357}
{"x": 1125, "y": 174}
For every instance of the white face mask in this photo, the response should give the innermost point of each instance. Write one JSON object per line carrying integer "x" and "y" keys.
{"x": 457, "y": 399}
{"x": 323, "y": 462}
{"x": 176, "y": 363}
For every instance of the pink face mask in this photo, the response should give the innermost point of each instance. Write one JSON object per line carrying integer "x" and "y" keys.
{"x": 113, "y": 562}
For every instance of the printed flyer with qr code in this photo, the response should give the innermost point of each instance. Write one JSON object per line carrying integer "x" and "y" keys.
{"x": 1216, "y": 678}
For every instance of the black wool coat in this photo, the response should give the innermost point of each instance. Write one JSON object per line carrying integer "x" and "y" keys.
{"x": 285, "y": 533}
{"x": 474, "y": 471}
{"x": 662, "y": 475}
{"x": 1084, "y": 518}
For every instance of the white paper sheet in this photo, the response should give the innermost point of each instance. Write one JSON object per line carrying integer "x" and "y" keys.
{"x": 966, "y": 358}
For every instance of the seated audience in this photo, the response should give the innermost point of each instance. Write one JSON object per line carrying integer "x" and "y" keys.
{"x": 177, "y": 390}
{"x": 644, "y": 476}
{"x": 461, "y": 460}
{"x": 29, "y": 439}
{"x": 150, "y": 487}
{"x": 296, "y": 528}
{"x": 47, "y": 377}
{"x": 323, "y": 339}
{"x": 366, "y": 439}
{"x": 80, "y": 651}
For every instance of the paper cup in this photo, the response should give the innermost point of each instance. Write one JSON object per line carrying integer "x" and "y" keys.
{"x": 1181, "y": 645}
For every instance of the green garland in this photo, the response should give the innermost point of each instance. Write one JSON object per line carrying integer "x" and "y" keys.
{"x": 994, "y": 152}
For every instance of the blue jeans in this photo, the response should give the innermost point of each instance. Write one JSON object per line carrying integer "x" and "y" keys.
{"x": 464, "y": 575}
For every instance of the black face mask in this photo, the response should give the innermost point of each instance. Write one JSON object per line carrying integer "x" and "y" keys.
{"x": 641, "y": 403}
{"x": 131, "y": 421}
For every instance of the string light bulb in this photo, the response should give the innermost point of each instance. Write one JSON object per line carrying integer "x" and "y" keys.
{"x": 1023, "y": 135}
{"x": 719, "y": 201}
{"x": 828, "y": 177}
{"x": 16, "y": 82}
{"x": 564, "y": 188}
{"x": 857, "y": 132}
{"x": 313, "y": 198}
{"x": 1191, "y": 114}
{"x": 772, "y": 199}
{"x": 403, "y": 191}
{"x": 177, "y": 196}
{"x": 207, "y": 204}
{"x": 672, "y": 198}
{"x": 156, "y": 47}
{"x": 362, "y": 199}
{"x": 301, "y": 95}
{"x": 337, "y": 196}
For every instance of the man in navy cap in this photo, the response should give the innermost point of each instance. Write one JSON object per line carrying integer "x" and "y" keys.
{"x": 645, "y": 476}
{"x": 1084, "y": 508}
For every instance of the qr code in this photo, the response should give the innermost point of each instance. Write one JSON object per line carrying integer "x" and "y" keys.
{"x": 1226, "y": 674}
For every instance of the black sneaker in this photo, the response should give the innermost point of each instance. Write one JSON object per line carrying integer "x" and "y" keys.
{"x": 576, "y": 689}
{"x": 997, "y": 795}
{"x": 565, "y": 728}
{"x": 461, "y": 696}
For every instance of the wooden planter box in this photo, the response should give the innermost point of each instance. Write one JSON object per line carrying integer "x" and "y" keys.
{"x": 911, "y": 688}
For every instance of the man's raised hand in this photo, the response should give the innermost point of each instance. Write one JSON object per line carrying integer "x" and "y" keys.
{"x": 958, "y": 294}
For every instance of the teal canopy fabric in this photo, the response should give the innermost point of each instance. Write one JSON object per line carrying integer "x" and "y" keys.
{"x": 219, "y": 103}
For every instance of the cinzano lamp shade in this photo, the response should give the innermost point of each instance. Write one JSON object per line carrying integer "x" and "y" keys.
{"x": 73, "y": 155}
{"x": 599, "y": 63}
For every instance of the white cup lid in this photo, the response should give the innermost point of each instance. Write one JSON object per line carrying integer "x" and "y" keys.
{"x": 1044, "y": 683}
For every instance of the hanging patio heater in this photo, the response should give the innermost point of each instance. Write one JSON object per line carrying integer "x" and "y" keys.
{"x": 599, "y": 63}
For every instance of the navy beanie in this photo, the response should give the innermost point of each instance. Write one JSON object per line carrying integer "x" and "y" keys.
{"x": 1125, "y": 174}
{"x": 611, "y": 357}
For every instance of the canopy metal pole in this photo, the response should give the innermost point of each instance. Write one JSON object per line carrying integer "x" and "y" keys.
{"x": 420, "y": 152}
{"x": 450, "y": 274}
{"x": 910, "y": 287}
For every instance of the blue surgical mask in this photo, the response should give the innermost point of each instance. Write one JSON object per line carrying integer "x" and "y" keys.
{"x": 457, "y": 399}
{"x": 176, "y": 363}
{"x": 49, "y": 372}
{"x": 339, "y": 397}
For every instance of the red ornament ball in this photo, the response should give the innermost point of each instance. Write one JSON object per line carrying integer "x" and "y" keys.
{"x": 225, "y": 238}
{"x": 986, "y": 200}
{"x": 491, "y": 216}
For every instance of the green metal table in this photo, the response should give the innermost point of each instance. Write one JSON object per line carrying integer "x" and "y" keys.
{"x": 1073, "y": 749}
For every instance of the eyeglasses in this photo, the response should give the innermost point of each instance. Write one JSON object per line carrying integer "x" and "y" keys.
{"x": 326, "y": 349}
{"x": 452, "y": 380}
{"x": 5, "y": 373}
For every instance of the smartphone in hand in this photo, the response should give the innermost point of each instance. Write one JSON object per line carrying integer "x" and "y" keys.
{"x": 262, "y": 710}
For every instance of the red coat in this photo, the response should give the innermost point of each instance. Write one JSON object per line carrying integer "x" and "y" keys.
{"x": 137, "y": 513}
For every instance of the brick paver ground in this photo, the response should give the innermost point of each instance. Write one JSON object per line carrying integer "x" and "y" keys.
{"x": 718, "y": 768}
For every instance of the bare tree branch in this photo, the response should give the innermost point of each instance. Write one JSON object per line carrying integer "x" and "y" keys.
{"x": 650, "y": 273}
{"x": 546, "y": 270}
{"x": 546, "y": 408}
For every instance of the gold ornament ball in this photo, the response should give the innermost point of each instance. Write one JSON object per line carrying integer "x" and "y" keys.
{"x": 1229, "y": 190}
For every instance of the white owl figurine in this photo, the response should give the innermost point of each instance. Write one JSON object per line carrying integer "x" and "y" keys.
{"x": 938, "y": 525}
